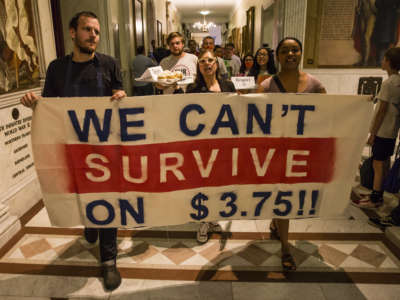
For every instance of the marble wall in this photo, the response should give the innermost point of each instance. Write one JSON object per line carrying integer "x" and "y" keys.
{"x": 19, "y": 200}
{"x": 343, "y": 81}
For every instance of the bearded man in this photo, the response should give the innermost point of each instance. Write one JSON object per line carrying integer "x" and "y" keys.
{"x": 86, "y": 73}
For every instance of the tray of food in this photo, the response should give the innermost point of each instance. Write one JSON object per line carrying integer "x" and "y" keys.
{"x": 168, "y": 78}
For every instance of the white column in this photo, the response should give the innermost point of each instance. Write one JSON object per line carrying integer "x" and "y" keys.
{"x": 295, "y": 18}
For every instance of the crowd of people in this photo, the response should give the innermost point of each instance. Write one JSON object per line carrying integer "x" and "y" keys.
{"x": 86, "y": 72}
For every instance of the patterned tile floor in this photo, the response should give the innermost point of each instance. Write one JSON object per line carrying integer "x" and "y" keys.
{"x": 238, "y": 255}
{"x": 342, "y": 258}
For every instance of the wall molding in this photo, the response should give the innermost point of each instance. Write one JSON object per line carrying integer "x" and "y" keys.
{"x": 11, "y": 99}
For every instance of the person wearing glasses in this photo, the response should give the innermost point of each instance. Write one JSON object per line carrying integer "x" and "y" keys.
{"x": 208, "y": 81}
{"x": 289, "y": 80}
{"x": 209, "y": 43}
{"x": 247, "y": 65}
{"x": 264, "y": 65}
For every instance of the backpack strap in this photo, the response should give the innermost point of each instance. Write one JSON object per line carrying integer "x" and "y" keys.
{"x": 279, "y": 84}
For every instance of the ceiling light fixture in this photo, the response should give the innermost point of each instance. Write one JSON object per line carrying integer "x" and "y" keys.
{"x": 204, "y": 26}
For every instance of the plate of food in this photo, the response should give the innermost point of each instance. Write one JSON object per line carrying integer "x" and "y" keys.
{"x": 169, "y": 78}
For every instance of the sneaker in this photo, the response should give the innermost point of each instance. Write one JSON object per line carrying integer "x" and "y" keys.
{"x": 202, "y": 233}
{"x": 382, "y": 222}
{"x": 91, "y": 235}
{"x": 111, "y": 276}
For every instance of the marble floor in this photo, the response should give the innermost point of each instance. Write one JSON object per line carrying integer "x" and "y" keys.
{"x": 338, "y": 258}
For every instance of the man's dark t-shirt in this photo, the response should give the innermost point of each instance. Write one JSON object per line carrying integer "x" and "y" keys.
{"x": 84, "y": 78}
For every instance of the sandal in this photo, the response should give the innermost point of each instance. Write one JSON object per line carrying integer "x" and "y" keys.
{"x": 202, "y": 233}
{"x": 366, "y": 203}
{"x": 288, "y": 263}
{"x": 274, "y": 235}
{"x": 215, "y": 227}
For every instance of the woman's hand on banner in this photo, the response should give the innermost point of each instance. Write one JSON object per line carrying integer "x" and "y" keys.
{"x": 29, "y": 100}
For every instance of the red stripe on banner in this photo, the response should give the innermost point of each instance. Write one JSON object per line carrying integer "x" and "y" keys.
{"x": 173, "y": 166}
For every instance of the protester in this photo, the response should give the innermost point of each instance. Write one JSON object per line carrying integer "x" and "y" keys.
{"x": 219, "y": 51}
{"x": 289, "y": 80}
{"x": 236, "y": 58}
{"x": 264, "y": 65}
{"x": 384, "y": 128}
{"x": 232, "y": 65}
{"x": 209, "y": 43}
{"x": 152, "y": 49}
{"x": 193, "y": 47}
{"x": 247, "y": 64}
{"x": 139, "y": 65}
{"x": 87, "y": 73}
{"x": 160, "y": 53}
{"x": 178, "y": 60}
{"x": 208, "y": 81}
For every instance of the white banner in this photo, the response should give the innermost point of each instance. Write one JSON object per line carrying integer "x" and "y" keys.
{"x": 149, "y": 161}
{"x": 16, "y": 164}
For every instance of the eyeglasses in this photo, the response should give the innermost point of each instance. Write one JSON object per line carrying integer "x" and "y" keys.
{"x": 206, "y": 60}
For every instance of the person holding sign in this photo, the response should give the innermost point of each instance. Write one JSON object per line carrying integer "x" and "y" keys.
{"x": 264, "y": 65}
{"x": 209, "y": 43}
{"x": 289, "y": 80}
{"x": 86, "y": 73}
{"x": 208, "y": 81}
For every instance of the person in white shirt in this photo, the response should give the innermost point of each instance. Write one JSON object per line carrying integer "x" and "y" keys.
{"x": 178, "y": 60}
{"x": 384, "y": 128}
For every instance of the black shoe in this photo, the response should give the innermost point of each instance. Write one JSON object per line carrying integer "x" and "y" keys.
{"x": 91, "y": 235}
{"x": 382, "y": 222}
{"x": 111, "y": 277}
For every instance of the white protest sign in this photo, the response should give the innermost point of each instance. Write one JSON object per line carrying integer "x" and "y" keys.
{"x": 243, "y": 83}
{"x": 151, "y": 74}
{"x": 153, "y": 161}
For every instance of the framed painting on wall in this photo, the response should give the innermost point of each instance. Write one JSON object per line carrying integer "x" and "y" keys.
{"x": 19, "y": 55}
{"x": 160, "y": 41}
{"x": 244, "y": 40}
{"x": 139, "y": 28}
{"x": 350, "y": 33}
{"x": 250, "y": 29}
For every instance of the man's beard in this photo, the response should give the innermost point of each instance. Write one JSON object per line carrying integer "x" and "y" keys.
{"x": 83, "y": 49}
{"x": 177, "y": 53}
